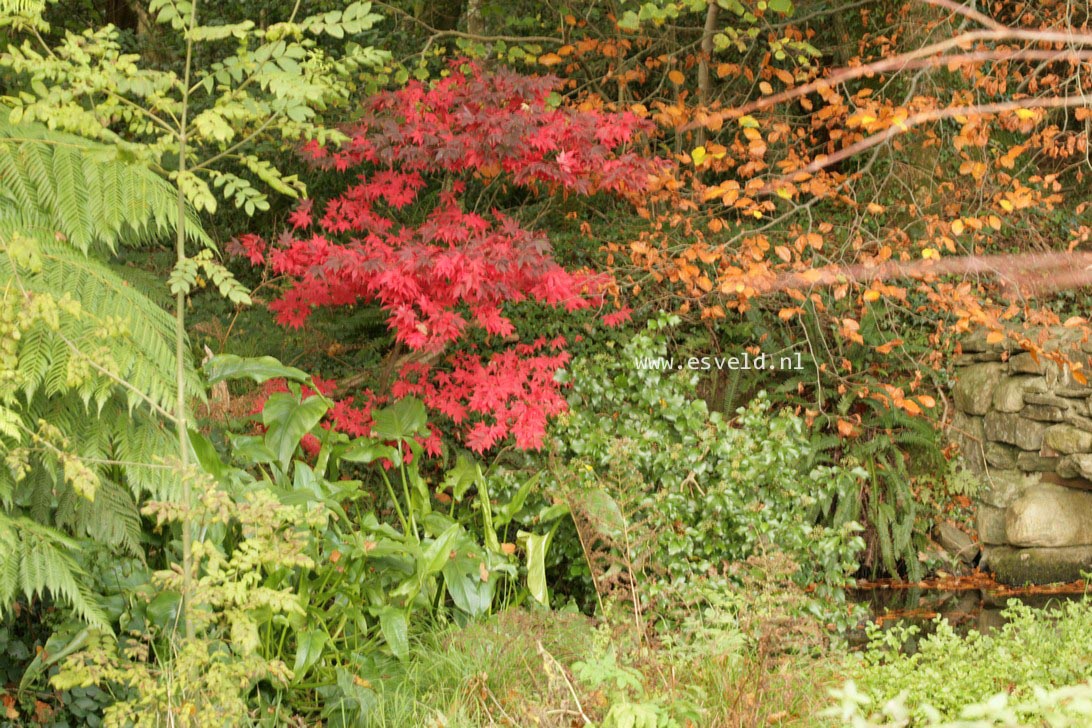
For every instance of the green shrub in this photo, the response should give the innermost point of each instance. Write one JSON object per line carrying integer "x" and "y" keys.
{"x": 980, "y": 676}
{"x": 714, "y": 491}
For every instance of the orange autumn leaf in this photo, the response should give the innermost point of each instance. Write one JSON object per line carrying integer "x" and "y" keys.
{"x": 787, "y": 313}
{"x": 889, "y": 346}
{"x": 549, "y": 59}
{"x": 845, "y": 429}
{"x": 676, "y": 77}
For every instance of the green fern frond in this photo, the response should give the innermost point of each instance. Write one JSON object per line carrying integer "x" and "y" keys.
{"x": 84, "y": 190}
{"x": 142, "y": 355}
{"x": 35, "y": 560}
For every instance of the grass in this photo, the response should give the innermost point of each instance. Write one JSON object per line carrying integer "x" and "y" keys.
{"x": 530, "y": 668}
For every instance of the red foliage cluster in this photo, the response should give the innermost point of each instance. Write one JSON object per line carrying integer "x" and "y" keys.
{"x": 443, "y": 271}
{"x": 514, "y": 392}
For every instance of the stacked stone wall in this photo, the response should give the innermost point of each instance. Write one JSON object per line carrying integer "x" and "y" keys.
{"x": 1025, "y": 428}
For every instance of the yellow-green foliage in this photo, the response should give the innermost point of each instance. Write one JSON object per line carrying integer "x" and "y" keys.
{"x": 86, "y": 358}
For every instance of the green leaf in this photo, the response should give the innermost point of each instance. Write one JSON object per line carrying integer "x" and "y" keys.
{"x": 461, "y": 477}
{"x": 629, "y": 21}
{"x": 288, "y": 420}
{"x": 437, "y": 553}
{"x": 462, "y": 577}
{"x": 309, "y": 648}
{"x": 392, "y": 623}
{"x": 251, "y": 449}
{"x": 536, "y": 546}
{"x": 780, "y": 6}
{"x": 508, "y": 511}
{"x": 207, "y": 457}
{"x": 401, "y": 421}
{"x": 260, "y": 369}
{"x": 163, "y": 610}
{"x": 366, "y": 450}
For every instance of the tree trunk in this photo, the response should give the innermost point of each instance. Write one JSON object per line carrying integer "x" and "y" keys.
{"x": 475, "y": 23}
{"x": 705, "y": 80}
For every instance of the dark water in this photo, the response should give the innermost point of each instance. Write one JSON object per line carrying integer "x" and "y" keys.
{"x": 965, "y": 609}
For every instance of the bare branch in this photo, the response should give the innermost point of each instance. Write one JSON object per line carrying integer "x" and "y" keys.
{"x": 969, "y": 13}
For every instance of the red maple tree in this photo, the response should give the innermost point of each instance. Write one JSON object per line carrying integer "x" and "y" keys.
{"x": 405, "y": 236}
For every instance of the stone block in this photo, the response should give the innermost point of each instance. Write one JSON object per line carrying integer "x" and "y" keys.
{"x": 1051, "y": 400}
{"x": 975, "y": 343}
{"x": 1008, "y": 396}
{"x": 956, "y": 542}
{"x": 1045, "y": 413}
{"x": 1032, "y": 462}
{"x": 1079, "y": 421}
{"x": 969, "y": 434}
{"x": 1002, "y": 487}
{"x": 1015, "y": 430}
{"x": 975, "y": 385}
{"x": 1063, "y": 438}
{"x": 1016, "y": 566}
{"x": 1075, "y": 466}
{"x": 1050, "y": 516}
{"x": 1024, "y": 363}
{"x": 989, "y": 521}
{"x": 1073, "y": 392}
{"x": 999, "y": 455}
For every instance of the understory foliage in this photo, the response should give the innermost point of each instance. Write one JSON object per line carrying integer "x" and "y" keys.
{"x": 86, "y": 359}
{"x": 1031, "y": 671}
{"x": 710, "y": 490}
{"x": 207, "y": 681}
{"x": 503, "y": 512}
{"x": 423, "y": 234}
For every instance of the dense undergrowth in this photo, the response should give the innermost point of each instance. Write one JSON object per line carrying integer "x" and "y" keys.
{"x": 388, "y": 437}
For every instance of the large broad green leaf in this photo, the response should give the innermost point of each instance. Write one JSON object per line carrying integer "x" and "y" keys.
{"x": 401, "y": 421}
{"x": 309, "y": 648}
{"x": 392, "y": 623}
{"x": 437, "y": 553}
{"x": 505, "y": 513}
{"x": 603, "y": 512}
{"x": 251, "y": 449}
{"x": 366, "y": 450}
{"x": 206, "y": 455}
{"x": 287, "y": 420}
{"x": 260, "y": 369}
{"x": 461, "y": 477}
{"x": 463, "y": 577}
{"x": 537, "y": 545}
